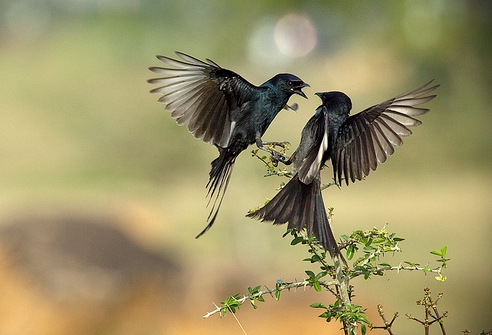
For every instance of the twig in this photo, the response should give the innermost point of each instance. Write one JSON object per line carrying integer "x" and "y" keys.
{"x": 286, "y": 286}
{"x": 333, "y": 183}
{"x": 430, "y": 307}
{"x": 387, "y": 325}
{"x": 343, "y": 281}
{"x": 239, "y": 323}
{"x": 436, "y": 312}
{"x": 398, "y": 268}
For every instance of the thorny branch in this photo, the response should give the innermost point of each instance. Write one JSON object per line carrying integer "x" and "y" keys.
{"x": 282, "y": 286}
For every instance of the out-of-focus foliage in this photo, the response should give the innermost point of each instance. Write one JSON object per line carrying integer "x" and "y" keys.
{"x": 79, "y": 66}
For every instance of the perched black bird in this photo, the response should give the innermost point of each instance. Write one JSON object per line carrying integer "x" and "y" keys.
{"x": 355, "y": 144}
{"x": 223, "y": 109}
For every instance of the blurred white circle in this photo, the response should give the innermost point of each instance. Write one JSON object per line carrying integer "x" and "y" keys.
{"x": 295, "y": 35}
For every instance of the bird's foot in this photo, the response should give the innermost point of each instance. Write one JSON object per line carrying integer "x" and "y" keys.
{"x": 283, "y": 145}
{"x": 276, "y": 156}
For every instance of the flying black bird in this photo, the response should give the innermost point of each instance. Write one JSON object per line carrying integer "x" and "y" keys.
{"x": 223, "y": 109}
{"x": 355, "y": 144}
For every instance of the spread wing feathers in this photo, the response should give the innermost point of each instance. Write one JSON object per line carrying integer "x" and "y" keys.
{"x": 301, "y": 206}
{"x": 202, "y": 95}
{"x": 370, "y": 136}
{"x": 315, "y": 137}
{"x": 220, "y": 174}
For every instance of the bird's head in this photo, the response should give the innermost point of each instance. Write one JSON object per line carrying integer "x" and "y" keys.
{"x": 335, "y": 100}
{"x": 289, "y": 84}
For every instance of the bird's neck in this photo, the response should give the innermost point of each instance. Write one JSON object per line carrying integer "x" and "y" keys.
{"x": 270, "y": 105}
{"x": 278, "y": 99}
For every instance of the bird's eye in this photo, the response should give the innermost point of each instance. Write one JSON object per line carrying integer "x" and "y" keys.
{"x": 290, "y": 83}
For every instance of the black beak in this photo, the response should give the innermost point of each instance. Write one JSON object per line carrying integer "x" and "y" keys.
{"x": 298, "y": 90}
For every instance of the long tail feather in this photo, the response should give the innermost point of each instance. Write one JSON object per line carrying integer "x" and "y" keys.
{"x": 220, "y": 175}
{"x": 301, "y": 205}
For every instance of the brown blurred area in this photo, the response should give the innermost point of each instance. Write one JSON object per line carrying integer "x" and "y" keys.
{"x": 70, "y": 272}
{"x": 102, "y": 194}
{"x": 76, "y": 273}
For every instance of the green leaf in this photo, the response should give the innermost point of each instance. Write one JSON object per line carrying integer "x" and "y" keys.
{"x": 230, "y": 304}
{"x": 444, "y": 249}
{"x": 297, "y": 240}
{"x": 326, "y": 316}
{"x": 253, "y": 291}
{"x": 321, "y": 275}
{"x": 317, "y": 305}
{"x": 441, "y": 252}
{"x": 317, "y": 286}
{"x": 310, "y": 274}
{"x": 350, "y": 252}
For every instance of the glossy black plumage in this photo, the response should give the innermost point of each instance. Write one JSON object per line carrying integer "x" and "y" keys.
{"x": 365, "y": 139}
{"x": 221, "y": 108}
{"x": 355, "y": 144}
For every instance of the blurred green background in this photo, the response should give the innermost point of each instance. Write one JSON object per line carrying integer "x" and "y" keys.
{"x": 79, "y": 132}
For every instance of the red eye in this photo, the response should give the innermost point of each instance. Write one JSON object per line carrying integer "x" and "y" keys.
{"x": 290, "y": 83}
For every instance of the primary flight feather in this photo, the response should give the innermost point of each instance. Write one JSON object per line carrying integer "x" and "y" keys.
{"x": 355, "y": 144}
{"x": 220, "y": 107}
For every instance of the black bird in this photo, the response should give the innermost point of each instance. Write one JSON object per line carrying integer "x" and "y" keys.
{"x": 355, "y": 144}
{"x": 223, "y": 109}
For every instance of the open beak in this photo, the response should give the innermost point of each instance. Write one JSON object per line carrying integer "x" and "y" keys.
{"x": 298, "y": 90}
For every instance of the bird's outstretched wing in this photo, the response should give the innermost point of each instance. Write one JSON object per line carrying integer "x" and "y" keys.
{"x": 202, "y": 95}
{"x": 370, "y": 136}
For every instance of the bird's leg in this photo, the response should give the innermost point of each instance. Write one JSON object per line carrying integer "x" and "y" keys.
{"x": 276, "y": 144}
{"x": 276, "y": 156}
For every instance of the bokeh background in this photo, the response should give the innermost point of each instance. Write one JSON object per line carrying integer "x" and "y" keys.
{"x": 102, "y": 194}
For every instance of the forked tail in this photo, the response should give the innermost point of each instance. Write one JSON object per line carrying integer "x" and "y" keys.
{"x": 301, "y": 205}
{"x": 217, "y": 184}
